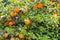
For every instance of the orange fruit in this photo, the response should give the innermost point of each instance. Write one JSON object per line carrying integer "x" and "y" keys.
{"x": 11, "y": 23}
{"x": 16, "y": 10}
{"x": 27, "y": 22}
{"x": 21, "y": 36}
{"x": 54, "y": 12}
{"x": 12, "y": 13}
{"x": 6, "y": 23}
{"x": 40, "y": 5}
{"x": 58, "y": 5}
{"x": 31, "y": 0}
{"x": 5, "y": 35}
{"x": 35, "y": 6}
{"x": 9, "y": 19}
{"x": 52, "y": 0}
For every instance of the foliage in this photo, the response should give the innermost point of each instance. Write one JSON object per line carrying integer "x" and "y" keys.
{"x": 42, "y": 25}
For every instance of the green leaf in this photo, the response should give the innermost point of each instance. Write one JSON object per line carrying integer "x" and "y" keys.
{"x": 12, "y": 0}
{"x": 1, "y": 0}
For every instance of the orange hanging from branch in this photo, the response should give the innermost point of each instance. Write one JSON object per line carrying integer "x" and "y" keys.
{"x": 11, "y": 23}
{"x": 21, "y": 36}
{"x": 27, "y": 22}
{"x": 58, "y": 5}
{"x": 40, "y": 5}
{"x": 6, "y": 23}
{"x": 5, "y": 35}
{"x": 9, "y": 19}
{"x": 16, "y": 10}
{"x": 12, "y": 13}
{"x": 35, "y": 6}
{"x": 54, "y": 12}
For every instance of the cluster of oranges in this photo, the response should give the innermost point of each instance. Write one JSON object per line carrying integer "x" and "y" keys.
{"x": 27, "y": 21}
{"x": 15, "y": 11}
{"x": 6, "y": 35}
{"x": 40, "y": 5}
{"x": 11, "y": 22}
{"x": 12, "y": 14}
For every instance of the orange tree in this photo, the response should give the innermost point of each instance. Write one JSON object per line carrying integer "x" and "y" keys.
{"x": 29, "y": 19}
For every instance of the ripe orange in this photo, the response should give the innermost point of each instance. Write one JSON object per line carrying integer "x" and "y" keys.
{"x": 40, "y": 5}
{"x": 11, "y": 23}
{"x": 52, "y": 0}
{"x": 16, "y": 10}
{"x": 35, "y": 6}
{"x": 54, "y": 12}
{"x": 6, "y": 23}
{"x": 31, "y": 0}
{"x": 5, "y": 35}
{"x": 12, "y": 13}
{"x": 21, "y": 36}
{"x": 27, "y": 22}
{"x": 9, "y": 19}
{"x": 58, "y": 5}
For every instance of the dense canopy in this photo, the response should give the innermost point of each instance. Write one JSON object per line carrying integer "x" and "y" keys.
{"x": 29, "y": 19}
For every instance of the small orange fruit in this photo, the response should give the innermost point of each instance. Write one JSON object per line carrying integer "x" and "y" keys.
{"x": 35, "y": 6}
{"x": 12, "y": 13}
{"x": 52, "y": 0}
{"x": 27, "y": 22}
{"x": 40, "y": 5}
{"x": 58, "y": 5}
{"x": 31, "y": 0}
{"x": 6, "y": 23}
{"x": 54, "y": 12}
{"x": 11, "y": 23}
{"x": 5, "y": 35}
{"x": 21, "y": 36}
{"x": 9, "y": 19}
{"x": 16, "y": 10}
